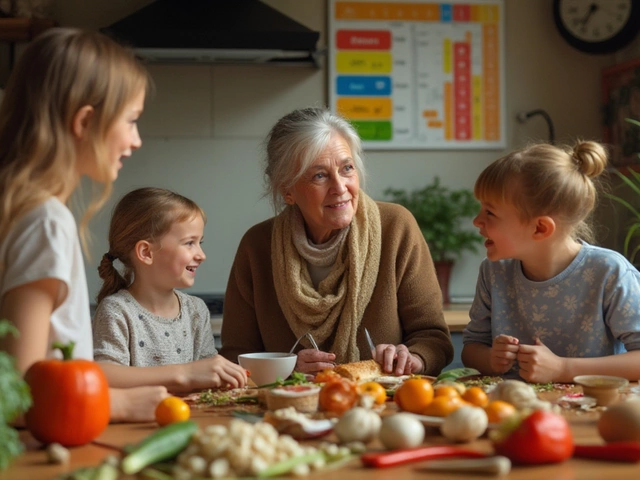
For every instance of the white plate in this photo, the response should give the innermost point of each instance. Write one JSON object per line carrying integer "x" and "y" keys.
{"x": 429, "y": 421}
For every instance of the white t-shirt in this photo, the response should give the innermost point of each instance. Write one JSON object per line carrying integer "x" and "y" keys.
{"x": 45, "y": 244}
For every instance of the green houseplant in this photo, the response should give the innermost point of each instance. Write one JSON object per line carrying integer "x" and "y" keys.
{"x": 441, "y": 214}
{"x": 632, "y": 179}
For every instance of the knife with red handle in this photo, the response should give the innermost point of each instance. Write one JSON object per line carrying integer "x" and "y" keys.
{"x": 613, "y": 452}
{"x": 408, "y": 455}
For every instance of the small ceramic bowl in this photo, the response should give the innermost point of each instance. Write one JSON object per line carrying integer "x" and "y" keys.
{"x": 605, "y": 389}
{"x": 267, "y": 367}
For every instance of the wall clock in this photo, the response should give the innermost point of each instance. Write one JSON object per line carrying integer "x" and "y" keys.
{"x": 597, "y": 26}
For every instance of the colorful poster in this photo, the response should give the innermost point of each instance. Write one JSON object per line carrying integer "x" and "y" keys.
{"x": 419, "y": 75}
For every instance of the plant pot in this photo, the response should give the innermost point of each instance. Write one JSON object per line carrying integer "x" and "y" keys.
{"x": 443, "y": 272}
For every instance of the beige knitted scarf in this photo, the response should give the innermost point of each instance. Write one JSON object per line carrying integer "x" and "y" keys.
{"x": 333, "y": 312}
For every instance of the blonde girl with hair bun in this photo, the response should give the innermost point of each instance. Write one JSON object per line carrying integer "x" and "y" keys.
{"x": 70, "y": 111}
{"x": 549, "y": 304}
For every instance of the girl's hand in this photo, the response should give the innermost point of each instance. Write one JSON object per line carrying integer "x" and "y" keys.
{"x": 504, "y": 352}
{"x": 405, "y": 363}
{"x": 215, "y": 372}
{"x": 136, "y": 404}
{"x": 538, "y": 364}
{"x": 313, "y": 361}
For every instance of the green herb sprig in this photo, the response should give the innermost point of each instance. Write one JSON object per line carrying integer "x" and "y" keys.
{"x": 297, "y": 378}
{"x": 15, "y": 400}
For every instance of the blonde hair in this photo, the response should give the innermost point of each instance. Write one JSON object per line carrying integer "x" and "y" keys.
{"x": 143, "y": 214}
{"x": 296, "y": 140}
{"x": 60, "y": 72}
{"x": 545, "y": 180}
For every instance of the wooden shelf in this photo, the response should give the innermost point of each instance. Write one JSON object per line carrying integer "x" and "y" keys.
{"x": 22, "y": 29}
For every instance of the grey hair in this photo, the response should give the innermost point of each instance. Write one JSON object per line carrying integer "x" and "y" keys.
{"x": 294, "y": 143}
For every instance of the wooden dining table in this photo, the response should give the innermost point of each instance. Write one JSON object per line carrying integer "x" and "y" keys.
{"x": 32, "y": 465}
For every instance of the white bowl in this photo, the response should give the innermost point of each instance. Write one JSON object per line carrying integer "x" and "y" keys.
{"x": 267, "y": 367}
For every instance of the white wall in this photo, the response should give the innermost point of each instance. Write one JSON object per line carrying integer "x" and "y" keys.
{"x": 202, "y": 132}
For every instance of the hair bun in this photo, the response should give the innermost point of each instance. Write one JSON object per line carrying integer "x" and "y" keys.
{"x": 590, "y": 157}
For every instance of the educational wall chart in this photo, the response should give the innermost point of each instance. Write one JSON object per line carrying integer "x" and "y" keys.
{"x": 419, "y": 75}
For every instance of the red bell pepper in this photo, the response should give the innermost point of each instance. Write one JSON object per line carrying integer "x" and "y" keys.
{"x": 534, "y": 438}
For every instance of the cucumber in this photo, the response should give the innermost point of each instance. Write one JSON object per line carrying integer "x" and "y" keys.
{"x": 163, "y": 444}
{"x": 457, "y": 373}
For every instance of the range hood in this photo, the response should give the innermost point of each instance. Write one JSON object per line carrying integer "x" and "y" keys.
{"x": 216, "y": 32}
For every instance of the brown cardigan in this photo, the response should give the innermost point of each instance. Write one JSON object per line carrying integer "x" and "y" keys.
{"x": 406, "y": 305}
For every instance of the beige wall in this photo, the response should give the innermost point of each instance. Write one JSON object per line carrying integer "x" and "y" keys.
{"x": 202, "y": 132}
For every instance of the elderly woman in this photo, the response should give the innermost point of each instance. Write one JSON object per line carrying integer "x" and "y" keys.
{"x": 333, "y": 262}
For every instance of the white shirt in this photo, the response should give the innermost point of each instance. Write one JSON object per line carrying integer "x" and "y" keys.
{"x": 44, "y": 243}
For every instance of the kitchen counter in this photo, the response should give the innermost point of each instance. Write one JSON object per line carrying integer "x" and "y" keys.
{"x": 457, "y": 316}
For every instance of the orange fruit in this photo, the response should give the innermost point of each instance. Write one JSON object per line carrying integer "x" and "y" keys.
{"x": 446, "y": 391}
{"x": 498, "y": 410}
{"x": 414, "y": 395}
{"x": 476, "y": 396}
{"x": 443, "y": 406}
{"x": 373, "y": 389}
{"x": 172, "y": 410}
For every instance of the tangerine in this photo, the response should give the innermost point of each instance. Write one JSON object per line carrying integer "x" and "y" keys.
{"x": 498, "y": 410}
{"x": 443, "y": 406}
{"x": 476, "y": 396}
{"x": 414, "y": 395}
{"x": 446, "y": 391}
{"x": 375, "y": 390}
{"x": 172, "y": 410}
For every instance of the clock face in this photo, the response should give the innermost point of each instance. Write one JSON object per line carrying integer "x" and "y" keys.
{"x": 595, "y": 21}
{"x": 597, "y": 26}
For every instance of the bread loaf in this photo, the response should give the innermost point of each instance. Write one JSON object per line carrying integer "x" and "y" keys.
{"x": 360, "y": 371}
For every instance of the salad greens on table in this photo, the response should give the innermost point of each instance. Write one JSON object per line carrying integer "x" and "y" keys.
{"x": 15, "y": 400}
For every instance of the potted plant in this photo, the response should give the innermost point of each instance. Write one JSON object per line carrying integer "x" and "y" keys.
{"x": 441, "y": 213}
{"x": 632, "y": 179}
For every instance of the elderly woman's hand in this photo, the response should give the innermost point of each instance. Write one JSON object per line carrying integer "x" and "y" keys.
{"x": 405, "y": 363}
{"x": 314, "y": 361}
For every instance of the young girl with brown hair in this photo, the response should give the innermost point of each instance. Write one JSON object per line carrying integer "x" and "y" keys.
{"x": 145, "y": 331}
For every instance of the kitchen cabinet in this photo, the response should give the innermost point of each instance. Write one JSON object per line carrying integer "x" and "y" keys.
{"x": 22, "y": 29}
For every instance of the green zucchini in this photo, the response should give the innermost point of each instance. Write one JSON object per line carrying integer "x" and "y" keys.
{"x": 163, "y": 444}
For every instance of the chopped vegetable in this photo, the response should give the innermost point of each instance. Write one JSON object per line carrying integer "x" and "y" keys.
{"x": 534, "y": 438}
{"x": 289, "y": 464}
{"x": 338, "y": 397}
{"x": 15, "y": 400}
{"x": 297, "y": 378}
{"x": 162, "y": 444}
{"x": 104, "y": 471}
{"x": 456, "y": 373}
{"x": 400, "y": 457}
{"x": 497, "y": 465}
{"x": 57, "y": 454}
{"x": 221, "y": 397}
{"x": 614, "y": 452}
